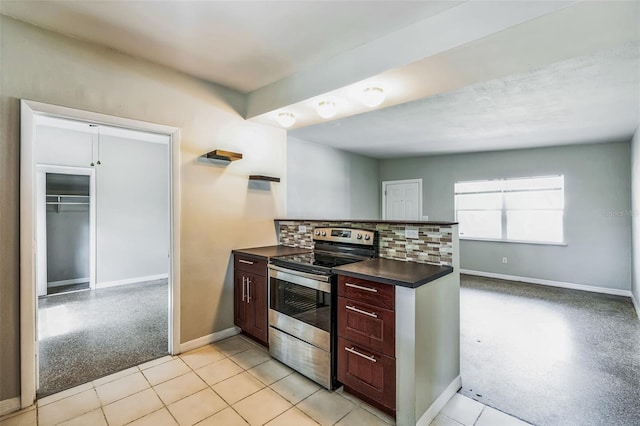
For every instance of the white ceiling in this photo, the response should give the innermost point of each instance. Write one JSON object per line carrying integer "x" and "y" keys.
{"x": 243, "y": 45}
{"x": 587, "y": 99}
{"x": 469, "y": 75}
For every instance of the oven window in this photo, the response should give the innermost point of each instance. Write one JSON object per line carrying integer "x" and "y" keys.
{"x": 302, "y": 303}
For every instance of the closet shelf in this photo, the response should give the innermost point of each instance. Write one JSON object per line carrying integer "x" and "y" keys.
{"x": 77, "y": 200}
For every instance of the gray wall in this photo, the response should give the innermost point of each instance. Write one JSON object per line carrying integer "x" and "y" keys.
{"x": 328, "y": 183}
{"x": 220, "y": 211}
{"x": 67, "y": 244}
{"x": 597, "y": 189}
{"x": 635, "y": 214}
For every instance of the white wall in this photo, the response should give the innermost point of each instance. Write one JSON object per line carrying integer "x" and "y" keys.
{"x": 132, "y": 200}
{"x": 597, "y": 197}
{"x": 220, "y": 211}
{"x": 635, "y": 217}
{"x": 328, "y": 183}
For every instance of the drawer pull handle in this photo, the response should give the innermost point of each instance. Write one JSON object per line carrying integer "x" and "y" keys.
{"x": 245, "y": 261}
{"x": 360, "y": 311}
{"x": 359, "y": 287}
{"x": 353, "y": 351}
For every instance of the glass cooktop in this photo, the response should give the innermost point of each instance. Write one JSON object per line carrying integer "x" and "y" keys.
{"x": 316, "y": 261}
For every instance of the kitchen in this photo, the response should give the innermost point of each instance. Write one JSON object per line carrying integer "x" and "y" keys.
{"x": 220, "y": 210}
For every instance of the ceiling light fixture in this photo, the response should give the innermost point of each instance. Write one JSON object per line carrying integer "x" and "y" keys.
{"x": 286, "y": 119}
{"x": 326, "y": 109}
{"x": 372, "y": 96}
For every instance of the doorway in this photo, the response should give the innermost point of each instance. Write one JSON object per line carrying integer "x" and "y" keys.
{"x": 402, "y": 200}
{"x": 65, "y": 199}
{"x": 36, "y": 277}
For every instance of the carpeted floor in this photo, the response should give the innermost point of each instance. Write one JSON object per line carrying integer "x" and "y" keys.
{"x": 550, "y": 356}
{"x": 89, "y": 334}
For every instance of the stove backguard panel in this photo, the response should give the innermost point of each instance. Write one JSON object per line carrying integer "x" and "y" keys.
{"x": 434, "y": 243}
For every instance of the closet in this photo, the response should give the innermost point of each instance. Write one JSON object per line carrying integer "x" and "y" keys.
{"x": 67, "y": 232}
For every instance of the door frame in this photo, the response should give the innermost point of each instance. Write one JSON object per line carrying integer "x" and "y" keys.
{"x": 41, "y": 220}
{"x": 28, "y": 243}
{"x": 384, "y": 194}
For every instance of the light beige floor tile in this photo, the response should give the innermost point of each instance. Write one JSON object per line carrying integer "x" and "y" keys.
{"x": 192, "y": 409}
{"x": 68, "y": 408}
{"x": 115, "y": 376}
{"x": 180, "y": 387}
{"x": 355, "y": 400}
{"x": 380, "y": 414}
{"x": 219, "y": 371}
{"x": 361, "y": 417}
{"x": 250, "y": 358}
{"x": 226, "y": 417}
{"x": 462, "y": 409}
{"x": 155, "y": 362}
{"x": 202, "y": 356}
{"x": 64, "y": 394}
{"x": 261, "y": 407}
{"x": 492, "y": 417}
{"x": 326, "y": 407}
{"x": 270, "y": 371}
{"x": 238, "y": 387}
{"x": 232, "y": 345}
{"x": 442, "y": 420}
{"x": 27, "y": 418}
{"x": 93, "y": 418}
{"x": 132, "y": 407}
{"x": 157, "y": 418}
{"x": 292, "y": 417}
{"x": 168, "y": 370}
{"x": 121, "y": 388}
{"x": 295, "y": 387}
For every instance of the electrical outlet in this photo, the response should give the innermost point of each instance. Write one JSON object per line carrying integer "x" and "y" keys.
{"x": 302, "y": 228}
{"x": 504, "y": 260}
{"x": 411, "y": 232}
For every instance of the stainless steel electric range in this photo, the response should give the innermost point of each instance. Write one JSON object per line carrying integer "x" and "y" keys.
{"x": 303, "y": 300}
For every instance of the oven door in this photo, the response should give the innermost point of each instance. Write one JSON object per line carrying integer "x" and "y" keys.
{"x": 300, "y": 305}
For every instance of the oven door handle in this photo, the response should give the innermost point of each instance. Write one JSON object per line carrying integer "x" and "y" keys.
{"x": 317, "y": 282}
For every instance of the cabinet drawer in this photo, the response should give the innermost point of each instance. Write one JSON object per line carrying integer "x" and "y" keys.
{"x": 367, "y": 372}
{"x": 367, "y": 325}
{"x": 372, "y": 293}
{"x": 250, "y": 264}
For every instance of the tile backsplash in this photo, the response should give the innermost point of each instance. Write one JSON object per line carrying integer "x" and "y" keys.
{"x": 434, "y": 243}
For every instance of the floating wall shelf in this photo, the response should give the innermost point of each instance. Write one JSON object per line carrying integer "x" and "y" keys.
{"x": 218, "y": 154}
{"x": 264, "y": 178}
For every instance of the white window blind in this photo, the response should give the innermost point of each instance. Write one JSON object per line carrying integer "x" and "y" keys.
{"x": 529, "y": 209}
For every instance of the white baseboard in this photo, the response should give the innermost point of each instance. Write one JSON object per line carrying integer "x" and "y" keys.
{"x": 9, "y": 405}
{"x": 636, "y": 304}
{"x": 583, "y": 287}
{"x": 210, "y": 338}
{"x": 68, "y": 282}
{"x": 440, "y": 402}
{"x": 131, "y": 280}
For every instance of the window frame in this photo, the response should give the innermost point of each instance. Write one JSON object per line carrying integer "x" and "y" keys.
{"x": 504, "y": 210}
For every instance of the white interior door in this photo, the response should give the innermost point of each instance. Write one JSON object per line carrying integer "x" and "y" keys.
{"x": 402, "y": 200}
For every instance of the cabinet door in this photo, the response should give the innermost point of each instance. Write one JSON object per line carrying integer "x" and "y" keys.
{"x": 367, "y": 325}
{"x": 239, "y": 300}
{"x": 368, "y": 372}
{"x": 257, "y": 306}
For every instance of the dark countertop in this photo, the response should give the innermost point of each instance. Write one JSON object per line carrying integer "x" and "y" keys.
{"x": 390, "y": 222}
{"x": 268, "y": 252}
{"x": 394, "y": 272}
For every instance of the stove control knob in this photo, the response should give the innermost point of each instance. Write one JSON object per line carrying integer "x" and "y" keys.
{"x": 317, "y": 232}
{"x": 359, "y": 236}
{"x": 367, "y": 237}
{"x": 324, "y": 234}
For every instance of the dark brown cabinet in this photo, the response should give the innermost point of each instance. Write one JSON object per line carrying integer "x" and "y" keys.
{"x": 366, "y": 341}
{"x": 250, "y": 297}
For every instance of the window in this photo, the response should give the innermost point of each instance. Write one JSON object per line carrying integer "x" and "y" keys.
{"x": 525, "y": 209}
